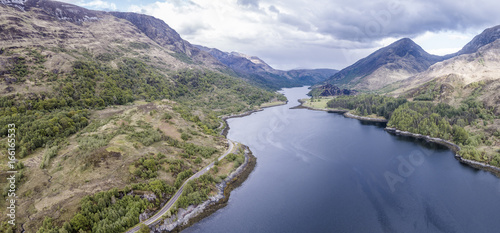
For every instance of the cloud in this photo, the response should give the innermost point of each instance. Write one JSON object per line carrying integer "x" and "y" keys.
{"x": 98, "y": 4}
{"x": 327, "y": 33}
{"x": 95, "y": 4}
{"x": 272, "y": 8}
{"x": 252, "y": 3}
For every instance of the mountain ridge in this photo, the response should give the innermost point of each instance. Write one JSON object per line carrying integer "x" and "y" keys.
{"x": 488, "y": 36}
{"x": 389, "y": 64}
{"x": 164, "y": 35}
{"x": 457, "y": 78}
{"x": 258, "y": 71}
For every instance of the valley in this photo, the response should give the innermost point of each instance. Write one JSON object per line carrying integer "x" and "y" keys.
{"x": 121, "y": 125}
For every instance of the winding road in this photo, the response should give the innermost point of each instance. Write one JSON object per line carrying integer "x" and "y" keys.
{"x": 157, "y": 217}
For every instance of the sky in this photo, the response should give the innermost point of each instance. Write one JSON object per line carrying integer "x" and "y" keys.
{"x": 333, "y": 34}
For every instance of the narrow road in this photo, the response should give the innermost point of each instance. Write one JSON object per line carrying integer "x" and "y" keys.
{"x": 157, "y": 217}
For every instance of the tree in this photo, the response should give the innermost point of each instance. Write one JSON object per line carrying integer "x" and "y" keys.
{"x": 80, "y": 222}
{"x": 460, "y": 135}
{"x": 144, "y": 229}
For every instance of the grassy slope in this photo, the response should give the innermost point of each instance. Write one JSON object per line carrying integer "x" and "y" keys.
{"x": 127, "y": 84}
{"x": 55, "y": 189}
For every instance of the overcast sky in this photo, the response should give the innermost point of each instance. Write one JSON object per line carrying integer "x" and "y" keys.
{"x": 316, "y": 34}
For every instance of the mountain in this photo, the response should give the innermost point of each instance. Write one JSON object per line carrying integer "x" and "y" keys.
{"x": 387, "y": 65}
{"x": 473, "y": 72}
{"x": 73, "y": 28}
{"x": 486, "y": 37}
{"x": 158, "y": 31}
{"x": 239, "y": 62}
{"x": 258, "y": 71}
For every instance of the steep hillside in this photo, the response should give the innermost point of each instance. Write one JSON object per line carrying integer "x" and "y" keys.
{"x": 106, "y": 112}
{"x": 259, "y": 72}
{"x": 161, "y": 33}
{"x": 475, "y": 74}
{"x": 387, "y": 65}
{"x": 486, "y": 37}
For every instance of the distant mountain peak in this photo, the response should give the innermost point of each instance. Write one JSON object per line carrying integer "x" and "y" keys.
{"x": 258, "y": 71}
{"x": 389, "y": 64}
{"x": 404, "y": 41}
{"x": 407, "y": 46}
{"x": 253, "y": 59}
{"x": 486, "y": 37}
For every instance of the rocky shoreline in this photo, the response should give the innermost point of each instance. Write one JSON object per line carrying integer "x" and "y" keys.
{"x": 193, "y": 214}
{"x": 330, "y": 110}
{"x": 185, "y": 218}
{"x": 247, "y": 113}
{"x": 346, "y": 113}
{"x": 455, "y": 148}
{"x": 362, "y": 118}
{"x": 452, "y": 146}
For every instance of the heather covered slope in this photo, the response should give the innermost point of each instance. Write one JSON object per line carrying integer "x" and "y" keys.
{"x": 101, "y": 109}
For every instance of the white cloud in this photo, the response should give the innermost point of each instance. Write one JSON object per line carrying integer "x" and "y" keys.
{"x": 98, "y": 4}
{"x": 445, "y": 42}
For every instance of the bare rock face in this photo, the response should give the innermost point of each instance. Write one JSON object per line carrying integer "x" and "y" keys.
{"x": 158, "y": 31}
{"x": 59, "y": 10}
{"x": 331, "y": 90}
{"x": 164, "y": 35}
{"x": 67, "y": 12}
{"x": 19, "y": 4}
{"x": 486, "y": 37}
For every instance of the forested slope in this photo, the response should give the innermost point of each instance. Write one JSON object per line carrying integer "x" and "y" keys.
{"x": 472, "y": 125}
{"x": 108, "y": 121}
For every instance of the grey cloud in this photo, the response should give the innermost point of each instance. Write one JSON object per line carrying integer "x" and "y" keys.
{"x": 356, "y": 28}
{"x": 251, "y": 3}
{"x": 367, "y": 21}
{"x": 193, "y": 28}
{"x": 294, "y": 21}
{"x": 273, "y": 8}
{"x": 337, "y": 33}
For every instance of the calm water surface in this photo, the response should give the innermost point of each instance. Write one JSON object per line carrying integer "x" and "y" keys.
{"x": 321, "y": 172}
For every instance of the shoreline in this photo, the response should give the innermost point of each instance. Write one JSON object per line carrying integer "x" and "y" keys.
{"x": 453, "y": 147}
{"x": 193, "y": 214}
{"x": 346, "y": 113}
{"x": 225, "y": 130}
{"x": 362, "y": 118}
{"x": 330, "y": 110}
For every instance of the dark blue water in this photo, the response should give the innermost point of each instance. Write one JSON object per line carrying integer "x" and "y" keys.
{"x": 321, "y": 172}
